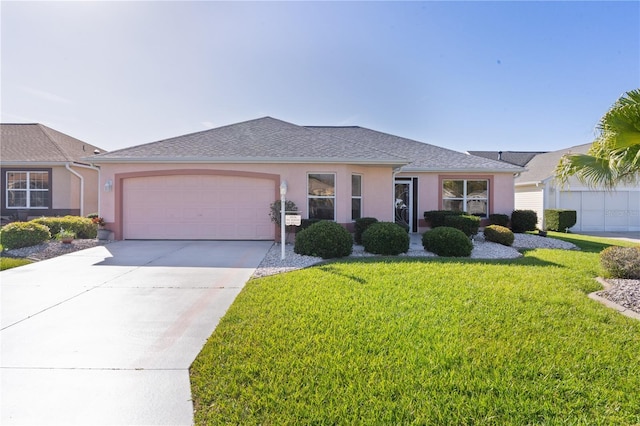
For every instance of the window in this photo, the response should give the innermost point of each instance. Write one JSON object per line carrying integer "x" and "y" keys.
{"x": 321, "y": 195}
{"x": 469, "y": 196}
{"x": 356, "y": 197}
{"x": 27, "y": 190}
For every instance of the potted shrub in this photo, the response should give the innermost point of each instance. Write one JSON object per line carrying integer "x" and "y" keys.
{"x": 66, "y": 236}
{"x": 103, "y": 233}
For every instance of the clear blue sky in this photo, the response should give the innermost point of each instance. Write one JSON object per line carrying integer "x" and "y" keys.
{"x": 462, "y": 75}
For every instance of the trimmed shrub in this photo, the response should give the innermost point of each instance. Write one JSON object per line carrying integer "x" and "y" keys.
{"x": 466, "y": 223}
{"x": 559, "y": 220}
{"x": 446, "y": 241}
{"x": 385, "y": 238}
{"x": 324, "y": 239}
{"x": 361, "y": 225}
{"x": 499, "y": 219}
{"x": 83, "y": 227}
{"x": 23, "y": 234}
{"x": 436, "y": 217}
{"x": 621, "y": 262}
{"x": 499, "y": 234}
{"x": 305, "y": 223}
{"x": 523, "y": 221}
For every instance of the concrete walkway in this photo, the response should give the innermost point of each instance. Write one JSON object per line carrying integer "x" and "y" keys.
{"x": 105, "y": 336}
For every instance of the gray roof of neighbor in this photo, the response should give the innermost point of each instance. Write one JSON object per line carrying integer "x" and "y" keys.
{"x": 543, "y": 166}
{"x": 40, "y": 144}
{"x": 271, "y": 140}
{"x": 519, "y": 158}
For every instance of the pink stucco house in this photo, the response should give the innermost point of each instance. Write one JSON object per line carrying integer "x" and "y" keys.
{"x": 43, "y": 173}
{"x": 219, "y": 183}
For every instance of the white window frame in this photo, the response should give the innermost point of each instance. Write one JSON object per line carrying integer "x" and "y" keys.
{"x": 27, "y": 190}
{"x": 356, "y": 197}
{"x": 465, "y": 197}
{"x": 318, "y": 197}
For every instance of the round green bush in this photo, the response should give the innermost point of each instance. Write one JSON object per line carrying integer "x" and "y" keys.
{"x": 385, "y": 238}
{"x": 83, "y": 227}
{"x": 621, "y": 262}
{"x": 446, "y": 241}
{"x": 324, "y": 239}
{"x": 498, "y": 234}
{"x": 361, "y": 225}
{"x": 23, "y": 234}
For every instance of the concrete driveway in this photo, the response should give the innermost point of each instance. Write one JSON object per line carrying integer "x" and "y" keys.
{"x": 107, "y": 335}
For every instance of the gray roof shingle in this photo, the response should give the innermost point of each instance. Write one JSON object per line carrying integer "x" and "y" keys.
{"x": 270, "y": 140}
{"x": 543, "y": 166}
{"x": 40, "y": 144}
{"x": 422, "y": 156}
{"x": 261, "y": 140}
{"x": 519, "y": 158}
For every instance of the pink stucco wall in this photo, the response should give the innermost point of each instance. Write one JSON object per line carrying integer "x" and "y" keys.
{"x": 377, "y": 186}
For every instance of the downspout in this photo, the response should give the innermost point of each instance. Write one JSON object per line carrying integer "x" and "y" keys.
{"x": 79, "y": 176}
{"x": 97, "y": 169}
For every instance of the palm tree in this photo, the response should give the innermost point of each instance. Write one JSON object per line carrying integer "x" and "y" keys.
{"x": 614, "y": 157}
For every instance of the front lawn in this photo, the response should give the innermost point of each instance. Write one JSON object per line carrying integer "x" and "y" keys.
{"x": 9, "y": 262}
{"x": 423, "y": 341}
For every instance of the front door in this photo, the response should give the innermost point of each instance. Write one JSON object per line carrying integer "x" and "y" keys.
{"x": 405, "y": 210}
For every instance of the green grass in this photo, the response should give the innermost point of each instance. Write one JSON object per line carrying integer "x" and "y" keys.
{"x": 9, "y": 262}
{"x": 423, "y": 341}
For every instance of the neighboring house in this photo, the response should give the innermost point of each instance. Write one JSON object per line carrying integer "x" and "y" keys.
{"x": 43, "y": 173}
{"x": 518, "y": 158}
{"x": 597, "y": 210}
{"x": 220, "y": 183}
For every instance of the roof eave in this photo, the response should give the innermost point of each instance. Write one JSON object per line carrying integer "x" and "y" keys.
{"x": 267, "y": 160}
{"x": 459, "y": 170}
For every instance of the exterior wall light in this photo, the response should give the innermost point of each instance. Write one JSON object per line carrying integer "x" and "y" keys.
{"x": 108, "y": 185}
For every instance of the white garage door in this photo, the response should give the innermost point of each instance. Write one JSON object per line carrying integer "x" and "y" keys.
{"x": 198, "y": 207}
{"x": 616, "y": 211}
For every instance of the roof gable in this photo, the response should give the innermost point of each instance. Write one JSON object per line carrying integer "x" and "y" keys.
{"x": 542, "y": 166}
{"x": 39, "y": 143}
{"x": 519, "y": 158}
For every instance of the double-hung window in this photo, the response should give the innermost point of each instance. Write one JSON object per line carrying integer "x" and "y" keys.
{"x": 466, "y": 195}
{"x": 28, "y": 190}
{"x": 321, "y": 195}
{"x": 356, "y": 197}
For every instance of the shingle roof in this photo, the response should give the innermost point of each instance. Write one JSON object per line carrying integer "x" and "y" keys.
{"x": 542, "y": 166}
{"x": 519, "y": 158}
{"x": 41, "y": 144}
{"x": 261, "y": 140}
{"x": 422, "y": 156}
{"x": 270, "y": 140}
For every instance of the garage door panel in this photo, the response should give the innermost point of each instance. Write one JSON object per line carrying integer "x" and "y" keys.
{"x": 197, "y": 207}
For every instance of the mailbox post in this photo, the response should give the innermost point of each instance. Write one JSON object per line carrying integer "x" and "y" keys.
{"x": 283, "y": 193}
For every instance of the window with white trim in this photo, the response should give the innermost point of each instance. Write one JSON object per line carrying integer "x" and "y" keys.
{"x": 356, "y": 197}
{"x": 28, "y": 190}
{"x": 321, "y": 195}
{"x": 466, "y": 195}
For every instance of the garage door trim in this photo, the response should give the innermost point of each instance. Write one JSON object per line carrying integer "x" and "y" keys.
{"x": 119, "y": 179}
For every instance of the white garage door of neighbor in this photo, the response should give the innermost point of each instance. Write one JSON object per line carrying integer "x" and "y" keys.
{"x": 198, "y": 207}
{"x": 616, "y": 211}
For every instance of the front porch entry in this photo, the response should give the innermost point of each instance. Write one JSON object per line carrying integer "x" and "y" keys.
{"x": 406, "y": 202}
